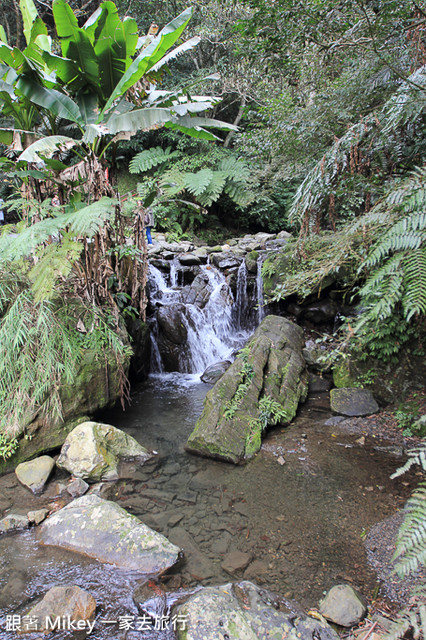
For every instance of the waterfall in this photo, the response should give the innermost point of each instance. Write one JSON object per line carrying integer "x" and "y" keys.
{"x": 156, "y": 364}
{"x": 212, "y": 334}
{"x": 241, "y": 301}
{"x": 259, "y": 292}
{"x": 174, "y": 272}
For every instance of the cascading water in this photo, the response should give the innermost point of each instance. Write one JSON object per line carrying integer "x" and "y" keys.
{"x": 241, "y": 299}
{"x": 259, "y": 292}
{"x": 212, "y": 333}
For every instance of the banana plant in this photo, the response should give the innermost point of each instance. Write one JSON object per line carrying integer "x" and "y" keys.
{"x": 103, "y": 82}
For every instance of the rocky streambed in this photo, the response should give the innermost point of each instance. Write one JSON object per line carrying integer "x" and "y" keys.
{"x": 291, "y": 521}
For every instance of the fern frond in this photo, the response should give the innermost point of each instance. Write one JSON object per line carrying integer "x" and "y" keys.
{"x": 197, "y": 183}
{"x": 149, "y": 158}
{"x": 55, "y": 261}
{"x": 214, "y": 189}
{"x": 414, "y": 300}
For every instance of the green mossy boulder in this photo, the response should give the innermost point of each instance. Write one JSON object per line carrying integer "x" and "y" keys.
{"x": 93, "y": 450}
{"x": 271, "y": 366}
{"x": 97, "y": 386}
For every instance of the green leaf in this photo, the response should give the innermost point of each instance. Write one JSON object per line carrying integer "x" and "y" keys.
{"x": 46, "y": 146}
{"x": 75, "y": 42}
{"x": 197, "y": 183}
{"x": 194, "y": 132}
{"x": 89, "y": 108}
{"x": 186, "y": 46}
{"x": 66, "y": 70}
{"x": 3, "y": 36}
{"x": 59, "y": 104}
{"x": 110, "y": 48}
{"x": 139, "y": 120}
{"x": 149, "y": 56}
{"x": 29, "y": 14}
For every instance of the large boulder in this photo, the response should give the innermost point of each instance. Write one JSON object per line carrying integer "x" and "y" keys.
{"x": 96, "y": 386}
{"x": 242, "y": 611}
{"x": 268, "y": 375}
{"x": 343, "y": 606}
{"x": 353, "y": 402}
{"x": 102, "y": 530}
{"x": 35, "y": 473}
{"x": 93, "y": 450}
{"x": 64, "y": 602}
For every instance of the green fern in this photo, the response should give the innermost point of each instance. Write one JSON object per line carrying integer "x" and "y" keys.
{"x": 398, "y": 258}
{"x": 154, "y": 157}
{"x": 410, "y": 554}
{"x": 197, "y": 183}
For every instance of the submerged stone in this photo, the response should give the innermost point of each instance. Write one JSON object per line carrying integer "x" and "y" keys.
{"x": 269, "y": 375}
{"x": 242, "y": 611}
{"x": 103, "y": 530}
{"x": 92, "y": 451}
{"x": 59, "y": 603}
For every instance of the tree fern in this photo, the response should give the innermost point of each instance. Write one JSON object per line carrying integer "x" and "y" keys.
{"x": 397, "y": 261}
{"x": 149, "y": 158}
{"x": 410, "y": 553}
{"x": 197, "y": 183}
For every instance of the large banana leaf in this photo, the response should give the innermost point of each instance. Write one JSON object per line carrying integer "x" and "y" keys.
{"x": 208, "y": 123}
{"x": 186, "y": 46}
{"x": 194, "y": 132}
{"x": 57, "y": 103}
{"x": 110, "y": 48}
{"x": 46, "y": 147}
{"x": 29, "y": 14}
{"x": 88, "y": 105}
{"x": 65, "y": 69}
{"x": 149, "y": 56}
{"x": 139, "y": 120}
{"x": 75, "y": 42}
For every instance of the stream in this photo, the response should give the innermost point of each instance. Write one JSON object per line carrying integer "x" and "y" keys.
{"x": 299, "y": 509}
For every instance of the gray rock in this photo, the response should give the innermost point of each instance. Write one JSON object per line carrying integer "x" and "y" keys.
{"x": 235, "y": 561}
{"x": 35, "y": 473}
{"x": 13, "y": 522}
{"x": 242, "y": 611}
{"x": 61, "y": 602}
{"x": 102, "y": 530}
{"x": 333, "y": 421}
{"x": 37, "y": 516}
{"x": 92, "y": 451}
{"x": 189, "y": 260}
{"x": 196, "y": 563}
{"x": 343, "y": 605}
{"x": 227, "y": 428}
{"x": 212, "y": 374}
{"x": 170, "y": 322}
{"x": 317, "y": 384}
{"x": 284, "y": 234}
{"x": 353, "y": 402}
{"x": 251, "y": 261}
{"x": 77, "y": 487}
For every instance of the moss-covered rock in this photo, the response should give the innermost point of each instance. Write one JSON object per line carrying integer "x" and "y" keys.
{"x": 102, "y": 530}
{"x": 93, "y": 450}
{"x": 386, "y": 381}
{"x": 272, "y": 367}
{"x": 242, "y": 611}
{"x": 97, "y": 386}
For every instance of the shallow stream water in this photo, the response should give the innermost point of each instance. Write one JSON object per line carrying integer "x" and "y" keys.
{"x": 299, "y": 510}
